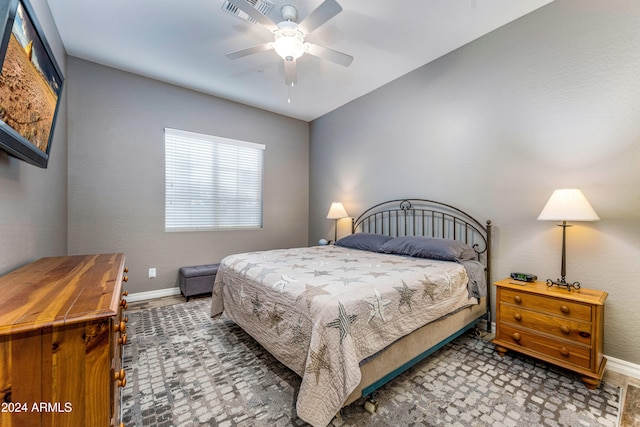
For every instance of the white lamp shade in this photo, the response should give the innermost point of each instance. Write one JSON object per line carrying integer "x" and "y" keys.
{"x": 337, "y": 211}
{"x": 568, "y": 204}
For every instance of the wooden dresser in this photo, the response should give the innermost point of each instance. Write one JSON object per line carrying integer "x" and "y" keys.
{"x": 61, "y": 337}
{"x": 562, "y": 327}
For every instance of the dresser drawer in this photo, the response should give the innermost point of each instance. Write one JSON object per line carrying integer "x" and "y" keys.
{"x": 562, "y": 327}
{"x": 556, "y": 307}
{"x": 563, "y": 351}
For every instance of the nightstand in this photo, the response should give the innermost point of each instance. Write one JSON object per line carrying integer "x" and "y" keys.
{"x": 561, "y": 327}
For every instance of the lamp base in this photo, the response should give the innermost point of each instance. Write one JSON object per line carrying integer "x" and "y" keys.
{"x": 563, "y": 283}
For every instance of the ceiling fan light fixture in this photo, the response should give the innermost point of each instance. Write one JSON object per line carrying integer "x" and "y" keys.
{"x": 289, "y": 42}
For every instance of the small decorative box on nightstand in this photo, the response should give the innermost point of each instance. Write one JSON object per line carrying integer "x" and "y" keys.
{"x": 565, "y": 328}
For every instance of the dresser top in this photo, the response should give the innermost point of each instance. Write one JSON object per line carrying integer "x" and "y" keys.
{"x": 588, "y": 296}
{"x": 56, "y": 291}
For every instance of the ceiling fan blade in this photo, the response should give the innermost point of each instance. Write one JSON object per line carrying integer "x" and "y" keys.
{"x": 253, "y": 13}
{"x": 290, "y": 73}
{"x": 248, "y": 51}
{"x": 330, "y": 54}
{"x": 327, "y": 10}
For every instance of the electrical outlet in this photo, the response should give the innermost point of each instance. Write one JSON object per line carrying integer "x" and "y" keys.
{"x": 152, "y": 273}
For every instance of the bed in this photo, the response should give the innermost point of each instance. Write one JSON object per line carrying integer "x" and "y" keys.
{"x": 349, "y": 317}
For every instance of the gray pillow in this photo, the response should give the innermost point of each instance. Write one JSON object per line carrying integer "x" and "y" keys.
{"x": 429, "y": 247}
{"x": 364, "y": 241}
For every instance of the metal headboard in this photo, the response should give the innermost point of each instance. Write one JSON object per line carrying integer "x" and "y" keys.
{"x": 420, "y": 217}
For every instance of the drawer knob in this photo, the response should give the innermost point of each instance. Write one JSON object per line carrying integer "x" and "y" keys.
{"x": 516, "y": 337}
{"x": 123, "y": 339}
{"x": 564, "y": 351}
{"x": 517, "y": 316}
{"x": 121, "y": 327}
{"x": 126, "y": 269}
{"x": 125, "y": 293}
{"x": 565, "y": 309}
{"x": 517, "y": 299}
{"x": 565, "y": 329}
{"x": 119, "y": 375}
{"x": 124, "y": 304}
{"x": 584, "y": 334}
{"x": 125, "y": 279}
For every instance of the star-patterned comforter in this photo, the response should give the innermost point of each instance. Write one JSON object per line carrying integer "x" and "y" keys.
{"x": 321, "y": 310}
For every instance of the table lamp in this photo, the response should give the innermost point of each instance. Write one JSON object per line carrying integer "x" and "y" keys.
{"x": 568, "y": 204}
{"x": 337, "y": 211}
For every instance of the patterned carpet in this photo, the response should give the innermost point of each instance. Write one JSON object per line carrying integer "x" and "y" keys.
{"x": 186, "y": 369}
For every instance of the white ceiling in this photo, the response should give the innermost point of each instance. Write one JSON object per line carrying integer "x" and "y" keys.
{"x": 184, "y": 43}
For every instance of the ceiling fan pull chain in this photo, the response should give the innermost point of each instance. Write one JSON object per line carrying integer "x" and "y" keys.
{"x": 289, "y": 87}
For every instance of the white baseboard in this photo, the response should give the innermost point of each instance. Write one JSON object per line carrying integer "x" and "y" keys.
{"x": 622, "y": 367}
{"x": 141, "y": 296}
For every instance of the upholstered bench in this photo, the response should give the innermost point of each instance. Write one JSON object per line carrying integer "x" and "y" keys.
{"x": 197, "y": 280}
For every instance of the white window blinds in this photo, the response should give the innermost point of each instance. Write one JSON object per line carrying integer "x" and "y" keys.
{"x": 211, "y": 183}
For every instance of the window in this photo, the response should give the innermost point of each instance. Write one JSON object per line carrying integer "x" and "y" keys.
{"x": 211, "y": 183}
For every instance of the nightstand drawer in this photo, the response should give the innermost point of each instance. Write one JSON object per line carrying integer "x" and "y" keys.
{"x": 544, "y": 304}
{"x": 558, "y": 326}
{"x": 562, "y": 351}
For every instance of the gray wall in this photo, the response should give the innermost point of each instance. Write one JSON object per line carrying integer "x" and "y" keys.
{"x": 116, "y": 172}
{"x": 549, "y": 101}
{"x": 33, "y": 201}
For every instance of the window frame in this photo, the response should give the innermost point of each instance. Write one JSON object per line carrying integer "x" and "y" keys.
{"x": 213, "y": 187}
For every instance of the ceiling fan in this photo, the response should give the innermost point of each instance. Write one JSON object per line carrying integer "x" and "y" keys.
{"x": 289, "y": 36}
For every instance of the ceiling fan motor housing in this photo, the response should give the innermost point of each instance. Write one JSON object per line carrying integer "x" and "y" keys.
{"x": 289, "y": 13}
